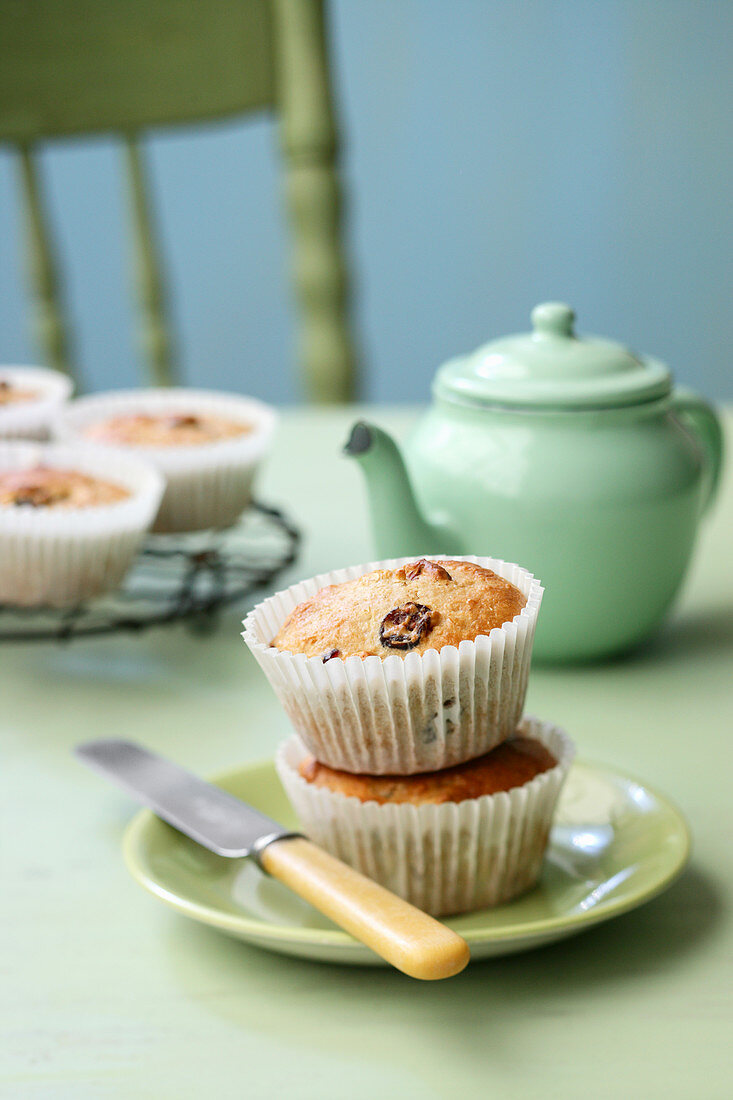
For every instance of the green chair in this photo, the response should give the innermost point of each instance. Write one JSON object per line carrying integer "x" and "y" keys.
{"x": 73, "y": 67}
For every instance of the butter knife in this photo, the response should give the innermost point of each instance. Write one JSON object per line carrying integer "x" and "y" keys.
{"x": 404, "y": 936}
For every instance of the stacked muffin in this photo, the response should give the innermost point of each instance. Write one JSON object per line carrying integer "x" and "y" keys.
{"x": 405, "y": 681}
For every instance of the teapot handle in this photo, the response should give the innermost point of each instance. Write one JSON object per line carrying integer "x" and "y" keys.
{"x": 703, "y": 422}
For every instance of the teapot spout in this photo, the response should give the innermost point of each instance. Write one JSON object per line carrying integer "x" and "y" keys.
{"x": 398, "y": 526}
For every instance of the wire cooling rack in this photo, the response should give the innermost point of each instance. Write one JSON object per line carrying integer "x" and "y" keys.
{"x": 188, "y": 577}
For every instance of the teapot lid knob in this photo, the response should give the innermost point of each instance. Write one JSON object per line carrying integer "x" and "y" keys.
{"x": 553, "y": 319}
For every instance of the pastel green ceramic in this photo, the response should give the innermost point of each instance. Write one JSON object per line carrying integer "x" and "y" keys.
{"x": 569, "y": 455}
{"x": 615, "y": 844}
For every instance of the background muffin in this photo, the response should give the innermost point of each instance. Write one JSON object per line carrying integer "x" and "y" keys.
{"x": 207, "y": 446}
{"x": 71, "y": 521}
{"x": 447, "y": 857}
{"x": 54, "y": 487}
{"x": 410, "y": 711}
{"x": 30, "y": 398}
{"x": 166, "y": 429}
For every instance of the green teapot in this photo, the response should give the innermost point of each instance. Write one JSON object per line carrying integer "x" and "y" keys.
{"x": 567, "y": 454}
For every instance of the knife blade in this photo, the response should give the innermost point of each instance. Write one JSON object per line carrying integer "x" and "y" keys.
{"x": 406, "y": 937}
{"x": 210, "y": 816}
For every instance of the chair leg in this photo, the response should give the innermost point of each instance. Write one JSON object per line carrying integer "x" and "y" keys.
{"x": 155, "y": 335}
{"x": 49, "y": 323}
{"x": 310, "y": 144}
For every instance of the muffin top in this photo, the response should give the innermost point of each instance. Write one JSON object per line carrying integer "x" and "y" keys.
{"x": 10, "y": 394}
{"x": 422, "y": 605}
{"x": 511, "y": 764}
{"x": 48, "y": 487}
{"x": 169, "y": 429}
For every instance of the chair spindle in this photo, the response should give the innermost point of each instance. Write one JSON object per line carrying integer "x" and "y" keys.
{"x": 310, "y": 143}
{"x": 155, "y": 337}
{"x": 48, "y": 321}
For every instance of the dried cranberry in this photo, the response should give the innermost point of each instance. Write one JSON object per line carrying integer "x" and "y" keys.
{"x": 406, "y": 626}
{"x": 329, "y": 654}
{"x": 183, "y": 421}
{"x": 415, "y": 568}
{"x": 37, "y": 496}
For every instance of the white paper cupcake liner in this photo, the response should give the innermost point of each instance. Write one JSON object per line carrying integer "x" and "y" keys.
{"x": 59, "y": 557}
{"x": 207, "y": 484}
{"x": 446, "y": 858}
{"x": 32, "y": 419}
{"x": 401, "y": 715}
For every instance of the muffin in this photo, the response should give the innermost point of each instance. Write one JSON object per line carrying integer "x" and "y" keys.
{"x": 51, "y": 487}
{"x": 511, "y": 764}
{"x": 11, "y": 393}
{"x": 459, "y": 839}
{"x": 207, "y": 446}
{"x": 71, "y": 521}
{"x": 30, "y": 397}
{"x": 403, "y": 666}
{"x": 421, "y": 605}
{"x": 169, "y": 429}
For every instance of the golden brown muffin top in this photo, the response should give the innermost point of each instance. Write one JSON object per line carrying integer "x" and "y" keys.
{"x": 422, "y": 605}
{"x": 48, "y": 487}
{"x": 10, "y": 394}
{"x": 511, "y": 764}
{"x": 169, "y": 429}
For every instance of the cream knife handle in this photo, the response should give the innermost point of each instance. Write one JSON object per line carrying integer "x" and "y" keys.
{"x": 403, "y": 935}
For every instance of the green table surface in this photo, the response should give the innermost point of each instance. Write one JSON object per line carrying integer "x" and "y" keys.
{"x": 104, "y": 992}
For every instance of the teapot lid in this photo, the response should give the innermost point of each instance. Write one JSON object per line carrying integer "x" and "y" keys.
{"x": 553, "y": 368}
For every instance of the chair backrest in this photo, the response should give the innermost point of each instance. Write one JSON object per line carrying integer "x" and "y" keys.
{"x": 72, "y": 67}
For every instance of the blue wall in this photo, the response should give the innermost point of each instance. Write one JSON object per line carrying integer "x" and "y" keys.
{"x": 499, "y": 152}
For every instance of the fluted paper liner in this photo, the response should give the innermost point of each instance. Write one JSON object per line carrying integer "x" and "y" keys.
{"x": 58, "y": 557}
{"x": 401, "y": 715}
{"x": 207, "y": 484}
{"x": 32, "y": 419}
{"x": 446, "y": 858}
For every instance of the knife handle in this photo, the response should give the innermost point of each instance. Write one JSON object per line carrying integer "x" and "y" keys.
{"x": 406, "y": 937}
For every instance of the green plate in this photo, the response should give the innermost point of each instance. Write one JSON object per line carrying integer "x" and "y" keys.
{"x": 615, "y": 844}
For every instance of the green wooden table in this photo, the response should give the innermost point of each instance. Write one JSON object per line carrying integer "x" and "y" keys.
{"x": 106, "y": 993}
